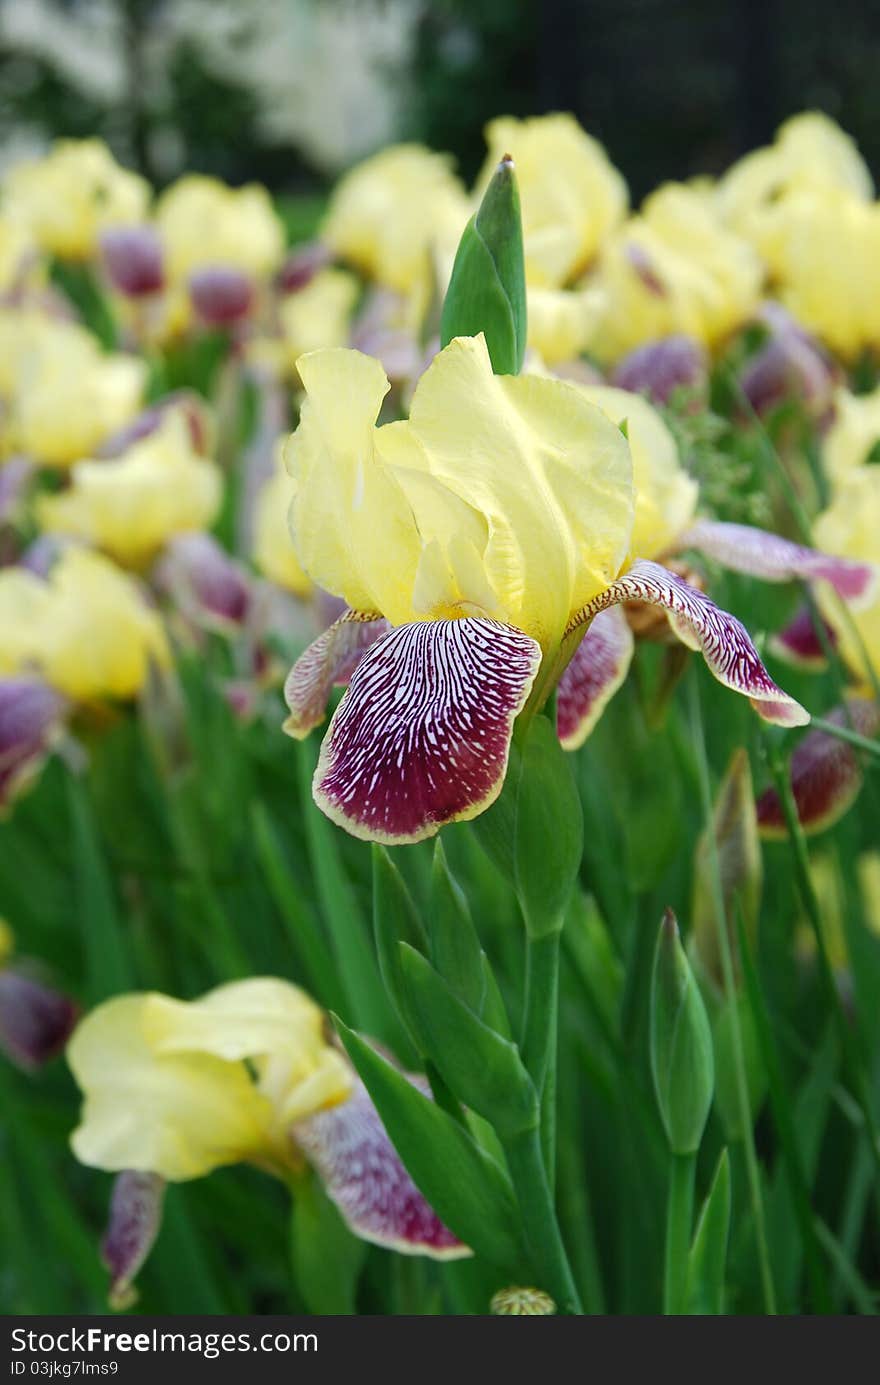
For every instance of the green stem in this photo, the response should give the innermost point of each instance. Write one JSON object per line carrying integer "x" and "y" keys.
{"x": 539, "y": 1037}
{"x": 730, "y": 990}
{"x": 540, "y": 1226}
{"x": 679, "y": 1220}
{"x": 842, "y": 733}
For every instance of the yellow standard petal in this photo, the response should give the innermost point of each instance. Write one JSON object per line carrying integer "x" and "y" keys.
{"x": 98, "y": 635}
{"x": 849, "y": 529}
{"x": 64, "y": 395}
{"x": 25, "y": 604}
{"x": 507, "y": 496}
{"x": 176, "y": 1114}
{"x": 273, "y": 550}
{"x": 854, "y": 433}
{"x": 666, "y": 497}
{"x": 548, "y": 472}
{"x": 386, "y": 216}
{"x": 181, "y": 1087}
{"x": 676, "y": 267}
{"x": 353, "y": 531}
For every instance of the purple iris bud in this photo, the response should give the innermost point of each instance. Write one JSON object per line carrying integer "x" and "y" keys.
{"x": 208, "y": 585}
{"x": 15, "y": 475}
{"x": 30, "y": 714}
{"x": 301, "y": 266}
{"x": 132, "y": 1227}
{"x": 790, "y": 365}
{"x": 35, "y": 1020}
{"x": 40, "y": 556}
{"x": 221, "y": 295}
{"x": 659, "y": 368}
{"x": 133, "y": 261}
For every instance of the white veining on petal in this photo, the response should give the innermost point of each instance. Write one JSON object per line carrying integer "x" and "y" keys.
{"x": 330, "y": 659}
{"x": 422, "y": 735}
{"x": 700, "y": 624}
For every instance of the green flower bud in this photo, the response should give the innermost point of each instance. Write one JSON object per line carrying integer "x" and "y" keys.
{"x": 487, "y": 290}
{"x": 529, "y": 1303}
{"x": 681, "y": 1043}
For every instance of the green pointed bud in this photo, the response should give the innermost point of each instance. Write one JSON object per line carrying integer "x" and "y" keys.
{"x": 487, "y": 290}
{"x": 727, "y": 869}
{"x": 681, "y": 1043}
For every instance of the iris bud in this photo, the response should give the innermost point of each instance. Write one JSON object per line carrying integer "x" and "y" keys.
{"x": 681, "y": 1043}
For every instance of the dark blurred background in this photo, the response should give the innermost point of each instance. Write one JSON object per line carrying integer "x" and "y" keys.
{"x": 293, "y": 91}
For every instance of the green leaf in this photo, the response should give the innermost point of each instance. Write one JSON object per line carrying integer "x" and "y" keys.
{"x": 455, "y": 947}
{"x": 347, "y": 929}
{"x": 108, "y": 963}
{"x": 305, "y": 937}
{"x": 467, "y": 1188}
{"x": 534, "y": 832}
{"x": 708, "y": 1254}
{"x": 395, "y": 920}
{"x": 326, "y": 1257}
{"x": 483, "y": 1069}
{"x": 681, "y": 1043}
{"x": 487, "y": 289}
{"x": 549, "y": 830}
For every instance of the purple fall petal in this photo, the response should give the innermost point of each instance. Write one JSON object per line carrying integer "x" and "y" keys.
{"x": 132, "y": 1228}
{"x": 724, "y": 642}
{"x": 221, "y": 294}
{"x": 133, "y": 260}
{"x": 799, "y": 643}
{"x": 761, "y": 554}
{"x": 329, "y": 661}
{"x": 349, "y": 1148}
{"x": 597, "y": 669}
{"x": 30, "y": 718}
{"x": 659, "y": 368}
{"x": 422, "y": 736}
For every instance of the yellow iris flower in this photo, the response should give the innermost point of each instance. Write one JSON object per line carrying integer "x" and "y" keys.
{"x": 63, "y": 394}
{"x": 674, "y": 268}
{"x": 87, "y": 629}
{"x": 131, "y": 505}
{"x": 473, "y": 542}
{"x": 389, "y": 215}
{"x": 69, "y": 196}
{"x": 180, "y": 1088}
{"x": 517, "y": 502}
{"x": 173, "y": 1089}
{"x": 810, "y": 154}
